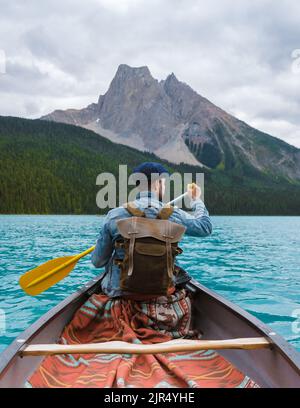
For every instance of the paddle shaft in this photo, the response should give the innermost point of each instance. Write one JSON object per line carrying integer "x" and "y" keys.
{"x": 121, "y": 347}
{"x": 192, "y": 185}
{"x": 177, "y": 199}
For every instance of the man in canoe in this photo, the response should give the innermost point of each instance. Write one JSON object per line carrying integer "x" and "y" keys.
{"x": 142, "y": 299}
{"x": 110, "y": 245}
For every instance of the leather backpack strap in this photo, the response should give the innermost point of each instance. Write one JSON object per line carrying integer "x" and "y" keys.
{"x": 165, "y": 212}
{"x": 134, "y": 210}
{"x": 132, "y": 234}
{"x": 168, "y": 249}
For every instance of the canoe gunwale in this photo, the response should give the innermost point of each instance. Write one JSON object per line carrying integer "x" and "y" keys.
{"x": 277, "y": 341}
{"x": 16, "y": 347}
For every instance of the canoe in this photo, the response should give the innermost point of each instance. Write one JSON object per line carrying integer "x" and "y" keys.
{"x": 273, "y": 363}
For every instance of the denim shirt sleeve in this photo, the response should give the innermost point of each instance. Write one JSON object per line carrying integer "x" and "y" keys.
{"x": 104, "y": 246}
{"x": 198, "y": 223}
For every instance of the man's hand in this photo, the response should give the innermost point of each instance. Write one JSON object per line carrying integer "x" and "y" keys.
{"x": 194, "y": 191}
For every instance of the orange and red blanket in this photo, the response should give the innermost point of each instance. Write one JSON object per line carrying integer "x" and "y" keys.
{"x": 165, "y": 318}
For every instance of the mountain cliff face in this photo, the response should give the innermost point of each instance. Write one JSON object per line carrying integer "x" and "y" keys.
{"x": 170, "y": 119}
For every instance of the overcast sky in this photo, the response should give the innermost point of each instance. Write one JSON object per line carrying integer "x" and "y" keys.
{"x": 238, "y": 54}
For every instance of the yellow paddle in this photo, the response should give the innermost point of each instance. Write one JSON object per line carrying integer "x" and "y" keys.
{"x": 49, "y": 273}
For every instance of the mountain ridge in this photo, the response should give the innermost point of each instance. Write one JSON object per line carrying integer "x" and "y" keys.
{"x": 174, "y": 122}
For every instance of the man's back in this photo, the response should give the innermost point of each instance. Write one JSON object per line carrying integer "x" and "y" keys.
{"x": 198, "y": 224}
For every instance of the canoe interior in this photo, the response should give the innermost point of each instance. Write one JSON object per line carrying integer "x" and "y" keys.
{"x": 216, "y": 317}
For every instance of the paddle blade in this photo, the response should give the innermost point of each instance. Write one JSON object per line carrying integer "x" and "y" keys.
{"x": 44, "y": 276}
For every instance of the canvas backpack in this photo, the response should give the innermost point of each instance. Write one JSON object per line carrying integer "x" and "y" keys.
{"x": 150, "y": 247}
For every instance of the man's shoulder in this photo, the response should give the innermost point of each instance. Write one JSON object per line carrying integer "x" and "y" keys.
{"x": 118, "y": 212}
{"x": 178, "y": 212}
{"x": 122, "y": 212}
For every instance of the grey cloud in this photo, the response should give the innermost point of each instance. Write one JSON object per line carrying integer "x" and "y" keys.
{"x": 237, "y": 54}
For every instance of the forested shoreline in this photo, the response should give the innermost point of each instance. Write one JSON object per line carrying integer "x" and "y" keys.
{"x": 51, "y": 168}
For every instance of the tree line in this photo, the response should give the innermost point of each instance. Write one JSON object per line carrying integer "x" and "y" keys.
{"x": 51, "y": 168}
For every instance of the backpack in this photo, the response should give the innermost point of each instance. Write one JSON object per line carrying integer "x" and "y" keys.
{"x": 150, "y": 246}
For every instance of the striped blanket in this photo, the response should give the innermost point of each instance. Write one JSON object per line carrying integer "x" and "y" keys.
{"x": 154, "y": 321}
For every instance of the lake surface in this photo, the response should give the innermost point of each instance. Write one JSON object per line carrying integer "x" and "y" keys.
{"x": 253, "y": 261}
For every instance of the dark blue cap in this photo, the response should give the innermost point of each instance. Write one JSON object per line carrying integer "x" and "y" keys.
{"x": 149, "y": 168}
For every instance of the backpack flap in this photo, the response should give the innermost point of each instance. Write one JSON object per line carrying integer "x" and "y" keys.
{"x": 162, "y": 230}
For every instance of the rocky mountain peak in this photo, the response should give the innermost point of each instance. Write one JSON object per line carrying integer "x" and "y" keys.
{"x": 173, "y": 87}
{"x": 126, "y": 74}
{"x": 171, "y": 78}
{"x": 176, "y": 123}
{"x": 128, "y": 81}
{"x": 125, "y": 70}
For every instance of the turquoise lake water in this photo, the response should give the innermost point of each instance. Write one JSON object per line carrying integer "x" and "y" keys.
{"x": 253, "y": 261}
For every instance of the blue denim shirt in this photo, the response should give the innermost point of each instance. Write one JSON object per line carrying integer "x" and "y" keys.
{"x": 197, "y": 224}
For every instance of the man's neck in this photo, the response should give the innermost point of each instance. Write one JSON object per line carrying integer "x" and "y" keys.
{"x": 151, "y": 196}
